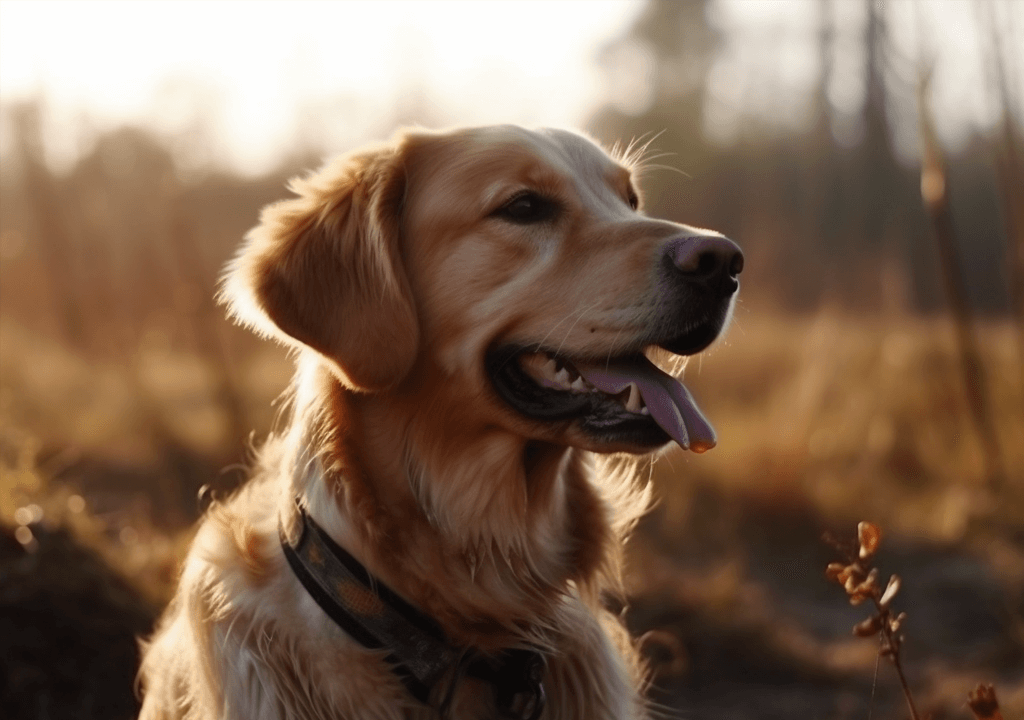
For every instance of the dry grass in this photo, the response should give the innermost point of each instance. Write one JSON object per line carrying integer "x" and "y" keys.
{"x": 822, "y": 420}
{"x": 861, "y": 417}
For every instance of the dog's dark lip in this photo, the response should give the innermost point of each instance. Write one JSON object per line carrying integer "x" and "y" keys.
{"x": 695, "y": 340}
{"x": 599, "y": 416}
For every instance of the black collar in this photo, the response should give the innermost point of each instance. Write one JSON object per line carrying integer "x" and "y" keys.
{"x": 419, "y": 654}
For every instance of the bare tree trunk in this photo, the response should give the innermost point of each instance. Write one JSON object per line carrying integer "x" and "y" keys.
{"x": 935, "y": 194}
{"x": 206, "y": 321}
{"x": 1008, "y": 164}
{"x": 53, "y": 234}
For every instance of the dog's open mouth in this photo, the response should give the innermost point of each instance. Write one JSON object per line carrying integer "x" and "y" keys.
{"x": 626, "y": 399}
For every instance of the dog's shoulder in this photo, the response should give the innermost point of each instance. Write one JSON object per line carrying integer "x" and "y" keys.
{"x": 241, "y": 639}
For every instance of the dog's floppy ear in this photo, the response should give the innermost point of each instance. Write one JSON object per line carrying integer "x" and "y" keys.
{"x": 324, "y": 270}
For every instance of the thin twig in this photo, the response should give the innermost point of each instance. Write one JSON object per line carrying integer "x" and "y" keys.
{"x": 891, "y": 647}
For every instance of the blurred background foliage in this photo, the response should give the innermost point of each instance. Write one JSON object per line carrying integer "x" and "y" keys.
{"x": 874, "y": 369}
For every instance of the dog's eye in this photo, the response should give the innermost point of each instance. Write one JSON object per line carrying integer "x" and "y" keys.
{"x": 528, "y": 208}
{"x": 634, "y": 200}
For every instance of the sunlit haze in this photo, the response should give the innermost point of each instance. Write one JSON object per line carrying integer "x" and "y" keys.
{"x": 259, "y": 70}
{"x": 259, "y": 80}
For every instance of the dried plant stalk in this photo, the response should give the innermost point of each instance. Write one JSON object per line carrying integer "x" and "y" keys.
{"x": 860, "y": 581}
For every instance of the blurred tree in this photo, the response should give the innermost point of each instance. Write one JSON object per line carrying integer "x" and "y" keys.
{"x": 49, "y": 222}
{"x": 821, "y": 219}
{"x": 1009, "y": 153}
{"x": 671, "y": 47}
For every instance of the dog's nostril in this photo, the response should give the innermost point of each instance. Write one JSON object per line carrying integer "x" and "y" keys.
{"x": 703, "y": 257}
{"x": 707, "y": 263}
{"x": 736, "y": 264}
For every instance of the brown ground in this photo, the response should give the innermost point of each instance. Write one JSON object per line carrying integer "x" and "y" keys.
{"x": 822, "y": 422}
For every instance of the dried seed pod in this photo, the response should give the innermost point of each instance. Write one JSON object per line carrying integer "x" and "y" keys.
{"x": 834, "y": 570}
{"x": 868, "y": 627}
{"x": 869, "y": 536}
{"x": 867, "y": 588}
{"x": 890, "y": 591}
{"x": 896, "y": 622}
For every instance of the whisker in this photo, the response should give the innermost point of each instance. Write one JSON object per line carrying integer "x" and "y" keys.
{"x": 635, "y": 149}
{"x": 638, "y": 151}
{"x": 612, "y": 347}
{"x": 540, "y": 344}
{"x": 658, "y": 166}
{"x": 574, "y": 322}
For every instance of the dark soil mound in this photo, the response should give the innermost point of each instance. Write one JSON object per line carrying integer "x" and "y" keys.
{"x": 68, "y": 628}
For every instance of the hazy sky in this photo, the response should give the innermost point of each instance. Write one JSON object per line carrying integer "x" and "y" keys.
{"x": 259, "y": 76}
{"x": 261, "y": 67}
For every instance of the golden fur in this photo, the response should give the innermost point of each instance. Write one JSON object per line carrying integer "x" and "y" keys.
{"x": 390, "y": 278}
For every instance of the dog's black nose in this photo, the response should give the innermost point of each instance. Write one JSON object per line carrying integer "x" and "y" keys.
{"x": 710, "y": 259}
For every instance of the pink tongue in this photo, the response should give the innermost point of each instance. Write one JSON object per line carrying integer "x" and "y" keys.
{"x": 670, "y": 403}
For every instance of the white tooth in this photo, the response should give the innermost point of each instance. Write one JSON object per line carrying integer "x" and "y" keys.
{"x": 562, "y": 377}
{"x": 644, "y": 410}
{"x": 578, "y": 385}
{"x": 633, "y": 404}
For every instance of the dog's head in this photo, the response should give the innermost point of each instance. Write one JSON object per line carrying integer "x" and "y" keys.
{"x": 506, "y": 278}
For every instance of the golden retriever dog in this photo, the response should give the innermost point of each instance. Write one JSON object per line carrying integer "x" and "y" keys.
{"x": 487, "y": 331}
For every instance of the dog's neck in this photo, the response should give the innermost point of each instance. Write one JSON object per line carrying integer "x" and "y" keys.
{"x": 481, "y": 530}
